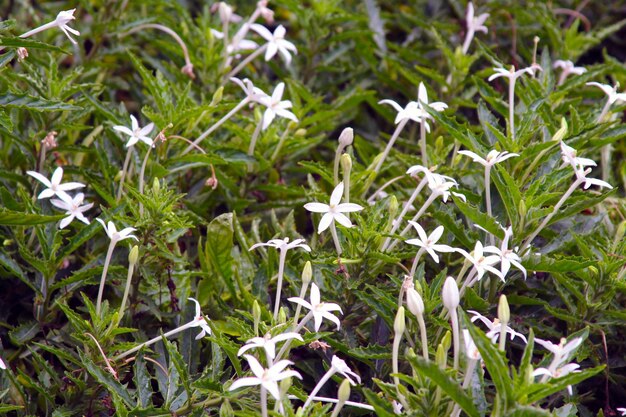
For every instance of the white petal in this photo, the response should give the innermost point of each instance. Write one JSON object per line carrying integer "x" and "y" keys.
{"x": 317, "y": 207}
{"x": 325, "y": 221}
{"x": 337, "y": 194}
{"x": 348, "y": 208}
{"x": 40, "y": 178}
{"x": 342, "y": 220}
{"x": 244, "y": 382}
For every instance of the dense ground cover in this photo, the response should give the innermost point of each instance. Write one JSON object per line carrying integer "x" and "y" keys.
{"x": 319, "y": 208}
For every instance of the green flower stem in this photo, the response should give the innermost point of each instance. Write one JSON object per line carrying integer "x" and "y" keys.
{"x": 129, "y": 278}
{"x": 319, "y": 386}
{"x": 255, "y": 136}
{"x": 279, "y": 147}
{"x": 124, "y": 170}
{"x": 422, "y": 325}
{"x": 547, "y": 219}
{"x": 406, "y": 207}
{"x": 155, "y": 339}
{"x": 420, "y": 252}
{"x": 216, "y": 125}
{"x": 512, "y": 107}
{"x": 338, "y": 154}
{"x": 142, "y": 173}
{"x": 246, "y": 61}
{"x": 279, "y": 284}
{"x": 392, "y": 140}
{"x": 103, "y": 278}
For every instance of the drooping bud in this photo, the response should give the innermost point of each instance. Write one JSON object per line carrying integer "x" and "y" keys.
{"x": 346, "y": 137}
{"x": 414, "y": 302}
{"x": 450, "y": 294}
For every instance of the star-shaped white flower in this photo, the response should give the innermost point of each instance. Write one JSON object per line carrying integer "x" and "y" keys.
{"x": 562, "y": 350}
{"x": 136, "y": 133}
{"x": 283, "y": 244}
{"x": 482, "y": 263}
{"x": 622, "y": 411}
{"x": 61, "y": 21}
{"x": 507, "y": 256}
{"x": 267, "y": 378}
{"x": 252, "y": 93}
{"x": 276, "y": 106}
{"x": 320, "y": 310}
{"x": 268, "y": 343}
{"x": 492, "y": 158}
{"x": 275, "y": 42}
{"x": 581, "y": 175}
{"x": 440, "y": 185}
{"x": 611, "y": 92}
{"x": 495, "y": 327}
{"x": 199, "y": 321}
{"x": 476, "y": 23}
{"x": 511, "y": 74}
{"x": 333, "y": 211}
{"x": 412, "y": 111}
{"x": 340, "y": 366}
{"x": 422, "y": 100}
{"x": 559, "y": 372}
{"x": 569, "y": 156}
{"x": 54, "y": 185}
{"x": 567, "y": 68}
{"x": 73, "y": 208}
{"x": 429, "y": 243}
{"x": 114, "y": 235}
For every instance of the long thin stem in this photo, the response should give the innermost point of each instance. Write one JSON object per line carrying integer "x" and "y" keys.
{"x": 420, "y": 252}
{"x": 333, "y": 232}
{"x": 167, "y": 30}
{"x": 503, "y": 334}
{"x": 279, "y": 284}
{"x": 155, "y": 339}
{"x": 488, "y": 197}
{"x": 124, "y": 169}
{"x": 319, "y": 386}
{"x": 216, "y": 125}
{"x": 422, "y": 325}
{"x": 423, "y": 143}
{"x": 454, "y": 319}
{"x": 605, "y": 152}
{"x": 468, "y": 40}
{"x": 263, "y": 401}
{"x": 335, "y": 401}
{"x": 512, "y": 106}
{"x": 392, "y": 140}
{"x": 255, "y": 136}
{"x": 103, "y": 278}
{"x": 241, "y": 33}
{"x": 338, "y": 153}
{"x": 415, "y": 218}
{"x": 246, "y": 61}
{"x": 129, "y": 279}
{"x": 556, "y": 208}
{"x": 279, "y": 147}
{"x": 141, "y": 177}
{"x": 371, "y": 198}
{"x": 405, "y": 208}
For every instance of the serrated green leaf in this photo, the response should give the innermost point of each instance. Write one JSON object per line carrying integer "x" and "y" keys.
{"x": 28, "y": 102}
{"x": 14, "y": 218}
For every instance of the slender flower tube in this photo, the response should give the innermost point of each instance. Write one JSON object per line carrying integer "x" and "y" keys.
{"x": 337, "y": 366}
{"x": 450, "y": 298}
{"x": 474, "y": 24}
{"x": 61, "y": 21}
{"x": 346, "y": 166}
{"x": 132, "y": 261}
{"x": 512, "y": 75}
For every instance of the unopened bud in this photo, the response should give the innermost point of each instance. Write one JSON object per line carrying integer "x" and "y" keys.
{"x": 560, "y": 134}
{"x": 285, "y": 384}
{"x": 256, "y": 311}
{"x": 346, "y": 163}
{"x": 156, "y": 186}
{"x": 217, "y": 96}
{"x": 522, "y": 209}
{"x": 446, "y": 341}
{"x": 414, "y": 302}
{"x": 300, "y": 133}
{"x": 212, "y": 182}
{"x": 393, "y": 206}
{"x": 307, "y": 273}
{"x": 398, "y": 323}
{"x": 282, "y": 316}
{"x": 22, "y": 54}
{"x": 346, "y": 137}
{"x": 450, "y": 294}
{"x": 187, "y": 69}
{"x": 133, "y": 256}
{"x": 440, "y": 357}
{"x": 504, "y": 313}
{"x": 344, "y": 391}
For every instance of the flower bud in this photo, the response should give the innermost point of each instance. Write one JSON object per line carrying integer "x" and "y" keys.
{"x": 282, "y": 316}
{"x": 307, "y": 273}
{"x": 440, "y": 357}
{"x": 300, "y": 133}
{"x": 414, "y": 302}
{"x": 346, "y": 163}
{"x": 22, "y": 54}
{"x": 156, "y": 186}
{"x": 450, "y": 294}
{"x": 560, "y": 134}
{"x": 217, "y": 96}
{"x": 344, "y": 391}
{"x": 256, "y": 311}
{"x": 393, "y": 206}
{"x": 226, "y": 410}
{"x": 133, "y": 255}
{"x": 446, "y": 341}
{"x": 346, "y": 137}
{"x": 398, "y": 323}
{"x": 504, "y": 313}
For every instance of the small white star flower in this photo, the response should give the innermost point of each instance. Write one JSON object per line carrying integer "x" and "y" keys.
{"x": 474, "y": 24}
{"x": 114, "y": 235}
{"x": 73, "y": 208}
{"x": 54, "y": 185}
{"x": 562, "y": 350}
{"x": 61, "y": 21}
{"x": 611, "y": 92}
{"x": 495, "y": 327}
{"x": 622, "y": 411}
{"x": 340, "y": 366}
{"x": 321, "y": 310}
{"x": 441, "y": 185}
{"x": 275, "y": 42}
{"x": 199, "y": 321}
{"x": 267, "y": 378}
{"x": 507, "y": 256}
{"x": 482, "y": 263}
{"x": 333, "y": 211}
{"x": 252, "y": 93}
{"x": 567, "y": 68}
{"x": 136, "y": 133}
{"x": 429, "y": 243}
{"x": 412, "y": 111}
{"x": 492, "y": 158}
{"x": 283, "y": 244}
{"x": 276, "y": 106}
{"x": 511, "y": 74}
{"x": 422, "y": 100}
{"x": 569, "y": 156}
{"x": 268, "y": 343}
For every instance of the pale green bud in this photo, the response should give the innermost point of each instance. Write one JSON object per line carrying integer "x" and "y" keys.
{"x": 399, "y": 322}
{"x": 440, "y": 357}
{"x": 133, "y": 255}
{"x": 256, "y": 311}
{"x": 446, "y": 341}
{"x": 346, "y": 163}
{"x": 217, "y": 96}
{"x": 282, "y": 316}
{"x": 156, "y": 186}
{"x": 300, "y": 132}
{"x": 560, "y": 134}
{"x": 504, "y": 313}
{"x": 393, "y": 206}
{"x": 307, "y": 273}
{"x": 450, "y": 294}
{"x": 344, "y": 391}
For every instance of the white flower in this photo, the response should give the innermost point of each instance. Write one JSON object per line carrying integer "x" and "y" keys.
{"x": 61, "y": 21}
{"x": 243, "y": 44}
{"x": 268, "y": 343}
{"x": 422, "y": 99}
{"x": 198, "y": 320}
{"x": 333, "y": 211}
{"x": 470, "y": 347}
{"x": 429, "y": 243}
{"x": 562, "y": 350}
{"x": 340, "y": 366}
{"x": 283, "y": 244}
{"x": 267, "y": 378}
{"x": 414, "y": 302}
{"x": 226, "y": 13}
{"x": 412, "y": 111}
{"x": 558, "y": 372}
{"x": 320, "y": 309}
{"x": 73, "y": 208}
{"x": 54, "y": 185}
{"x": 252, "y": 93}
{"x": 441, "y": 185}
{"x": 581, "y": 175}
{"x": 275, "y": 42}
{"x": 114, "y": 235}
{"x": 482, "y": 263}
{"x": 492, "y": 158}
{"x": 622, "y": 410}
{"x": 2, "y": 364}
{"x": 495, "y": 327}
{"x": 475, "y": 23}
{"x": 507, "y": 256}
{"x": 276, "y": 106}
{"x": 568, "y": 154}
{"x": 450, "y": 294}
{"x": 611, "y": 92}
{"x": 567, "y": 68}
{"x": 511, "y": 74}
{"x": 136, "y": 133}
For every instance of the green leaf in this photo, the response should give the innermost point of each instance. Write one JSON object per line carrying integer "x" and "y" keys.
{"x": 542, "y": 263}
{"x": 29, "y": 43}
{"x": 559, "y": 384}
{"x": 15, "y": 218}
{"x": 528, "y": 411}
{"x": 142, "y": 381}
{"x": 217, "y": 252}
{"x": 479, "y": 218}
{"x": 27, "y": 102}
{"x": 451, "y": 387}
{"x": 106, "y": 380}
